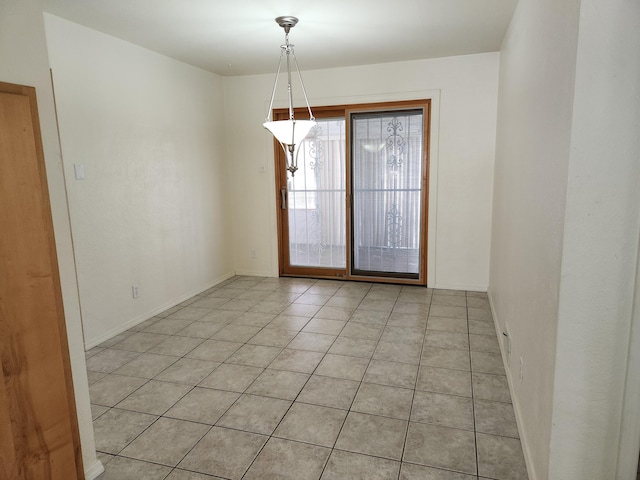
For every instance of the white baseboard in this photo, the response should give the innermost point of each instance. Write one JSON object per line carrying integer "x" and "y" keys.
{"x": 146, "y": 316}
{"x": 514, "y": 399}
{"x": 94, "y": 470}
{"x": 256, "y": 273}
{"x": 451, "y": 286}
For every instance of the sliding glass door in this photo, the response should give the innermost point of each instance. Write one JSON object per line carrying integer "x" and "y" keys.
{"x": 356, "y": 208}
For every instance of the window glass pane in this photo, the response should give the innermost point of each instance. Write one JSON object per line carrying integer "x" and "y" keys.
{"x": 387, "y": 157}
{"x": 317, "y": 218}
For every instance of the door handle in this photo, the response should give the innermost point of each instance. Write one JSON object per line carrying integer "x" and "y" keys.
{"x": 283, "y": 198}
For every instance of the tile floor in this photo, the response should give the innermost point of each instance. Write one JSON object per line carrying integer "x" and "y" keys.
{"x": 266, "y": 378}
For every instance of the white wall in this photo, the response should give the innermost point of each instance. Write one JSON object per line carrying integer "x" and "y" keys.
{"x": 21, "y": 25}
{"x": 602, "y": 227}
{"x": 566, "y": 226}
{"x": 465, "y": 88}
{"x": 537, "y": 65}
{"x": 153, "y": 210}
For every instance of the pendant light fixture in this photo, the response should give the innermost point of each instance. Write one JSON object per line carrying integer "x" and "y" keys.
{"x": 289, "y": 133}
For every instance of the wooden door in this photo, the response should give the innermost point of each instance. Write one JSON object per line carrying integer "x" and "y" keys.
{"x": 38, "y": 424}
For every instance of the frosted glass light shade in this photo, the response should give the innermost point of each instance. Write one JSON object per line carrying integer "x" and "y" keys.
{"x": 285, "y": 132}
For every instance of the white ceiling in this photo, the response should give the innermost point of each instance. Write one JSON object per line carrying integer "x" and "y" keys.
{"x": 239, "y": 37}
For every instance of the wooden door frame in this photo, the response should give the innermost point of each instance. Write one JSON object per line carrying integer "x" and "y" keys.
{"x": 344, "y": 111}
{"x": 19, "y": 352}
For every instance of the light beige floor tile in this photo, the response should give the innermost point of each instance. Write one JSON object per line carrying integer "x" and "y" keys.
{"x": 495, "y": 418}
{"x": 224, "y": 317}
{"x": 330, "y": 392}
{"x": 252, "y": 413}
{"x": 421, "y": 309}
{"x": 377, "y": 305}
{"x": 491, "y": 387}
{"x": 116, "y": 428}
{"x": 445, "y": 324}
{"x": 354, "y": 466}
{"x": 444, "y": 410}
{"x": 176, "y": 346}
{"x": 177, "y": 474}
{"x": 214, "y": 350}
{"x": 93, "y": 377}
{"x": 442, "y": 380}
{"x": 254, "y": 355}
{"x": 286, "y": 460}
{"x": 441, "y": 447}
{"x": 479, "y": 313}
{"x": 97, "y": 410}
{"x": 273, "y": 337}
{"x": 482, "y": 327}
{"x": 312, "y": 299}
{"x": 234, "y": 378}
{"x": 188, "y": 371}
{"x": 140, "y": 341}
{"x": 324, "y": 326}
{"x": 311, "y": 424}
{"x": 500, "y": 458}
{"x": 297, "y": 361}
{"x": 146, "y": 365}
{"x": 224, "y": 452}
{"x": 289, "y": 322}
{"x": 477, "y": 302}
{"x": 445, "y": 291}
{"x": 95, "y": 350}
{"x": 344, "y": 302}
{"x": 189, "y": 313}
{"x": 391, "y": 373}
{"x": 254, "y": 319}
{"x": 167, "y": 326}
{"x": 154, "y": 397}
{"x": 484, "y": 343}
{"x": 370, "y": 316}
{"x": 383, "y": 400}
{"x": 440, "y": 339}
{"x": 449, "y": 300}
{"x": 483, "y": 362}
{"x": 411, "y": 471}
{"x": 355, "y": 347}
{"x": 109, "y": 360}
{"x": 113, "y": 388}
{"x": 445, "y": 358}
{"x": 278, "y": 384}
{"x": 301, "y": 310}
{"x": 235, "y": 333}
{"x": 203, "y": 405}
{"x": 314, "y": 342}
{"x": 448, "y": 311}
{"x": 121, "y": 336}
{"x": 342, "y": 366}
{"x": 398, "y": 352}
{"x": 412, "y": 297}
{"x": 367, "y": 331}
{"x": 121, "y": 468}
{"x": 166, "y": 442}
{"x": 335, "y": 313}
{"x": 407, "y": 320}
{"x": 208, "y": 302}
{"x": 361, "y": 434}
{"x": 403, "y": 335}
